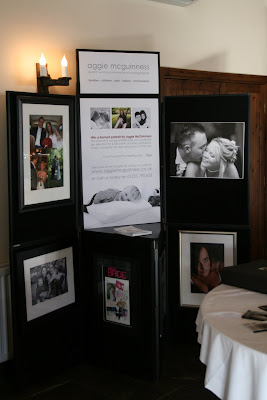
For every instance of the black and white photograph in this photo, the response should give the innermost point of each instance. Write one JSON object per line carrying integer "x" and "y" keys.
{"x": 45, "y": 153}
{"x": 49, "y": 282}
{"x": 203, "y": 256}
{"x": 141, "y": 118}
{"x": 100, "y": 118}
{"x": 207, "y": 150}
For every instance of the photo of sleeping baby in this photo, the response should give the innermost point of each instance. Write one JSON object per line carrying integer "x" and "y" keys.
{"x": 100, "y": 118}
{"x": 48, "y": 280}
{"x": 129, "y": 193}
{"x": 121, "y": 206}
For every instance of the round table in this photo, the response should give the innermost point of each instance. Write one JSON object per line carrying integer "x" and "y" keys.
{"x": 235, "y": 356}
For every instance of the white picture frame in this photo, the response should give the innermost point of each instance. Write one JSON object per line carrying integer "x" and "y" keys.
{"x": 33, "y": 271}
{"x": 220, "y": 245}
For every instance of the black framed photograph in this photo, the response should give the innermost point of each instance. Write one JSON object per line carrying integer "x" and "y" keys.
{"x": 44, "y": 150}
{"x": 42, "y": 165}
{"x": 203, "y": 255}
{"x": 207, "y": 159}
{"x": 49, "y": 282}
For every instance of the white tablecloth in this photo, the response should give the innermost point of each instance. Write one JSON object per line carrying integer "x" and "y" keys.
{"x": 236, "y": 358}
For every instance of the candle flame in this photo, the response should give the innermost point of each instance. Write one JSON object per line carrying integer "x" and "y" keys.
{"x": 42, "y": 60}
{"x": 64, "y": 62}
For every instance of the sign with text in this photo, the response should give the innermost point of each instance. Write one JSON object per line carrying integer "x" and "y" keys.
{"x": 118, "y": 72}
{"x": 120, "y": 161}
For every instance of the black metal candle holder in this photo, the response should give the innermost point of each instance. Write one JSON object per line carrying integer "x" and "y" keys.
{"x": 43, "y": 82}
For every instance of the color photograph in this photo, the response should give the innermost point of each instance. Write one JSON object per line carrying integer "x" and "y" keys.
{"x": 45, "y": 153}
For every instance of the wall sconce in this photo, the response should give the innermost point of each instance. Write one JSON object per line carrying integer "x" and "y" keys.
{"x": 44, "y": 80}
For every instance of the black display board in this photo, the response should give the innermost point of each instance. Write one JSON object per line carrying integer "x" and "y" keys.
{"x": 207, "y": 200}
{"x": 46, "y": 321}
{"x": 128, "y": 343}
{"x": 43, "y": 233}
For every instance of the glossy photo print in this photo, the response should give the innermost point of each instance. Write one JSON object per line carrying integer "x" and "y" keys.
{"x": 207, "y": 150}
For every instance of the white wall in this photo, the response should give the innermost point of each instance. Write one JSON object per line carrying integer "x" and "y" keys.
{"x": 213, "y": 35}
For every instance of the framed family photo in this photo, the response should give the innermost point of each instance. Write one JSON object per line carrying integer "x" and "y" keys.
{"x": 44, "y": 150}
{"x": 49, "y": 282}
{"x": 42, "y": 165}
{"x": 203, "y": 255}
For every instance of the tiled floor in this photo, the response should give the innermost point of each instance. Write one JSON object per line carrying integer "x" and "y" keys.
{"x": 182, "y": 378}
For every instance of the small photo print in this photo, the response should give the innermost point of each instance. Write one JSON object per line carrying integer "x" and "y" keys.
{"x": 49, "y": 282}
{"x": 121, "y": 118}
{"x": 100, "y": 118}
{"x": 47, "y": 169}
{"x": 141, "y": 118}
{"x": 46, "y": 131}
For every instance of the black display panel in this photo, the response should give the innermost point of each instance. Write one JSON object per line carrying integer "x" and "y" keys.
{"x": 42, "y": 171}
{"x": 197, "y": 190}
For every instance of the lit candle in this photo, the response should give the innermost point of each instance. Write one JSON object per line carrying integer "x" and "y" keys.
{"x": 64, "y": 67}
{"x": 42, "y": 62}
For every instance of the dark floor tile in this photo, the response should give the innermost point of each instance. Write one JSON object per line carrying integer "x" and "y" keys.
{"x": 182, "y": 378}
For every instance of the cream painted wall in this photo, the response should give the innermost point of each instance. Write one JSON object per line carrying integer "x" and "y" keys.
{"x": 213, "y": 35}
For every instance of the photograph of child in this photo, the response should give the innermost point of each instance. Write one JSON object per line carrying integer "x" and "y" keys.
{"x": 121, "y": 118}
{"x": 129, "y": 193}
{"x": 100, "y": 118}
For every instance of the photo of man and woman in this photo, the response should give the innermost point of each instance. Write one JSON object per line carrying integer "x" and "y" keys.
{"x": 48, "y": 280}
{"x": 46, "y": 151}
{"x": 141, "y": 118}
{"x": 207, "y": 149}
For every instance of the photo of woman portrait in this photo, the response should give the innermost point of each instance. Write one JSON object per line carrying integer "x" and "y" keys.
{"x": 207, "y": 262}
{"x": 121, "y": 118}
